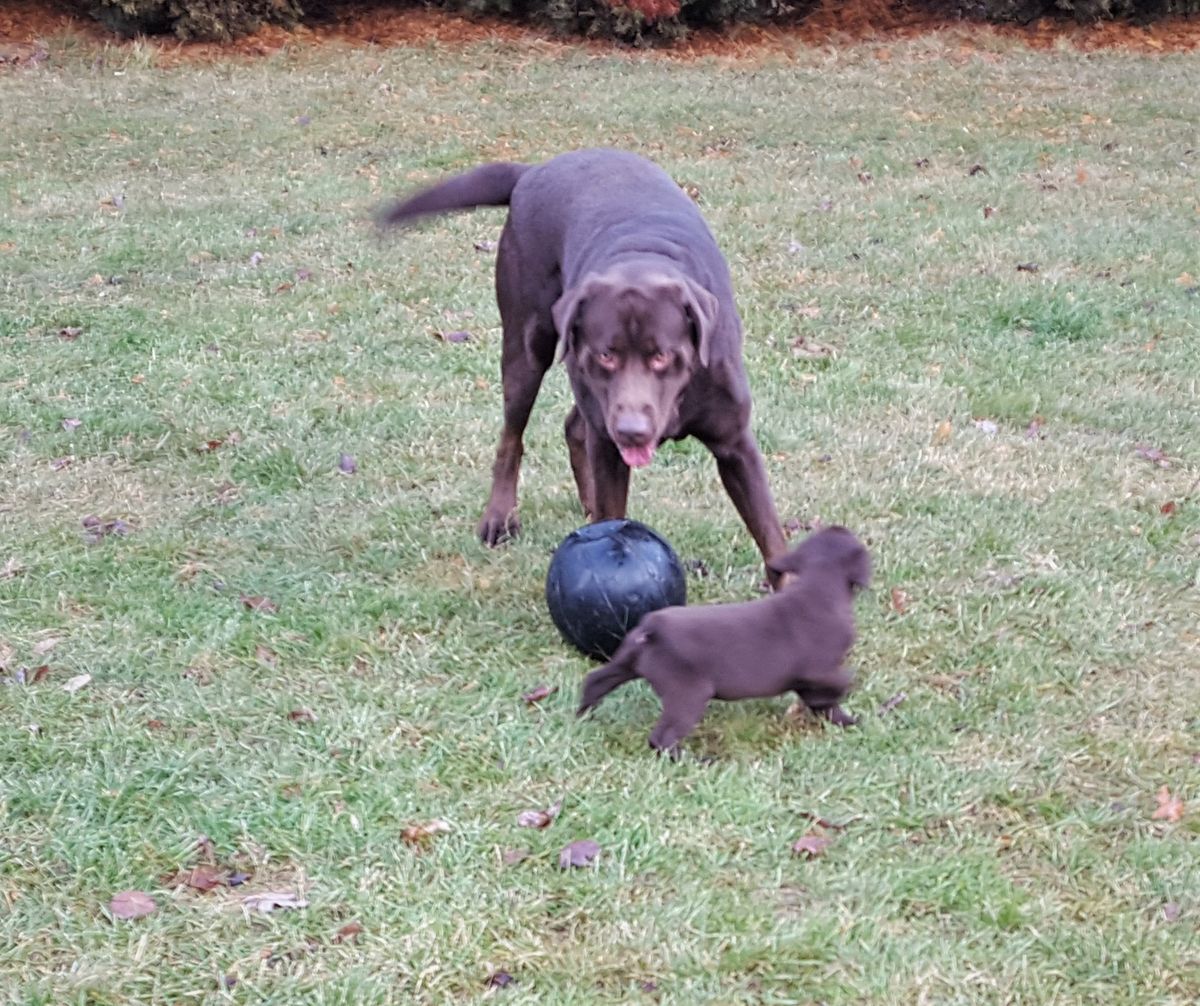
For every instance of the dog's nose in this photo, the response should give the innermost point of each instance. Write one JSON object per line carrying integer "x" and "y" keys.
{"x": 633, "y": 428}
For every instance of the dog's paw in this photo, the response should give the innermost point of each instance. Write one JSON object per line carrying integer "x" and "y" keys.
{"x": 496, "y": 529}
{"x": 838, "y": 716}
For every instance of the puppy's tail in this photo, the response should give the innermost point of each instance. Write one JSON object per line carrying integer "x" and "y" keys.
{"x": 487, "y": 185}
{"x": 600, "y": 682}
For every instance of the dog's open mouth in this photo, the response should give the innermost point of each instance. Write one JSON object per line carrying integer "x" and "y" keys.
{"x": 637, "y": 457}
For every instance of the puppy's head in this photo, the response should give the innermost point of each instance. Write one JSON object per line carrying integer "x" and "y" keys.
{"x": 833, "y": 550}
{"x": 632, "y": 340}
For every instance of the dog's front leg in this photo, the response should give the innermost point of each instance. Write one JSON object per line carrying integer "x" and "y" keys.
{"x": 610, "y": 477}
{"x": 744, "y": 475}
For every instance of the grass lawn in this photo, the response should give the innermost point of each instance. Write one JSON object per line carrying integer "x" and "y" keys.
{"x": 971, "y": 289}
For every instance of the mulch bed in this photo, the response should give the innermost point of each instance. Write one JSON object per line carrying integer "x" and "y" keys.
{"x": 25, "y": 24}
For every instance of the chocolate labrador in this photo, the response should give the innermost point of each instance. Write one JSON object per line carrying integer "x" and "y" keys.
{"x": 793, "y": 640}
{"x": 606, "y": 259}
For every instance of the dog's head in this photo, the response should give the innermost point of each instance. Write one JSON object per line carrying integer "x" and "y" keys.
{"x": 834, "y": 550}
{"x": 632, "y": 338}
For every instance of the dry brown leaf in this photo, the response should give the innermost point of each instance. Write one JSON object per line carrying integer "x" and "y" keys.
{"x": 348, "y": 933}
{"x": 942, "y": 433}
{"x": 131, "y": 905}
{"x": 539, "y": 818}
{"x": 580, "y": 853}
{"x": 271, "y": 901}
{"x": 256, "y": 602}
{"x": 420, "y": 834}
{"x": 899, "y": 601}
{"x": 811, "y": 846}
{"x": 1170, "y": 808}
{"x": 77, "y": 682}
{"x": 540, "y": 692}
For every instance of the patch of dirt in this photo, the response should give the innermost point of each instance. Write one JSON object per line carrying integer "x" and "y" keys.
{"x": 25, "y": 24}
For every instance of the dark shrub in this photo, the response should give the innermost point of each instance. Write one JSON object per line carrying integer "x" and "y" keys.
{"x": 216, "y": 20}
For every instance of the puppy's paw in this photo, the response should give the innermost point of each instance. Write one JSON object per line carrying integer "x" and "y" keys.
{"x": 837, "y": 716}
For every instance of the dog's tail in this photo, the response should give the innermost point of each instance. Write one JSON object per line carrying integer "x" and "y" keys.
{"x": 600, "y": 682}
{"x": 487, "y": 185}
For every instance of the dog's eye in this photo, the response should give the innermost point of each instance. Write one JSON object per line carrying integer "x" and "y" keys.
{"x": 660, "y": 362}
{"x": 607, "y": 359}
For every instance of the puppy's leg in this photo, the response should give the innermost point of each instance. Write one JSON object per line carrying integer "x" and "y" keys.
{"x": 823, "y": 698}
{"x": 576, "y": 434}
{"x": 604, "y": 680}
{"x": 683, "y": 708}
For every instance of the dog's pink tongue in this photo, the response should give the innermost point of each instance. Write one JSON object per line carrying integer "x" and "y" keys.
{"x": 638, "y": 457}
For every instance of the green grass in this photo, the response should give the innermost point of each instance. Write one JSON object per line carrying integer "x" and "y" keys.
{"x": 206, "y": 227}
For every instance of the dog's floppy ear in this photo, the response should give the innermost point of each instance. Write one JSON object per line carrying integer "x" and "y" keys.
{"x": 702, "y": 308}
{"x": 567, "y": 307}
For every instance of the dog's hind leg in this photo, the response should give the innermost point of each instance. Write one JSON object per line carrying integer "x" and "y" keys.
{"x": 528, "y": 351}
{"x": 682, "y": 710}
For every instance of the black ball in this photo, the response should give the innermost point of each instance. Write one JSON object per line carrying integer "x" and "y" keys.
{"x": 604, "y": 577}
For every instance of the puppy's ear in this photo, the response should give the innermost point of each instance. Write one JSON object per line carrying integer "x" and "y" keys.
{"x": 702, "y": 308}
{"x": 785, "y": 565}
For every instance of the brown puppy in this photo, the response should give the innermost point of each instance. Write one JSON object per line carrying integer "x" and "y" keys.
{"x": 793, "y": 640}
{"x": 605, "y": 260}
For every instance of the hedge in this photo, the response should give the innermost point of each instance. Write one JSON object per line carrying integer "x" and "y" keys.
{"x": 627, "y": 20}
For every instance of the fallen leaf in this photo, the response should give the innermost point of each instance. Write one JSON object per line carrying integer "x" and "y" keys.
{"x": 1153, "y": 454}
{"x": 537, "y": 694}
{"x": 131, "y": 905}
{"x": 977, "y": 169}
{"x": 46, "y": 645}
{"x": 989, "y": 212}
{"x": 1034, "y": 430}
{"x": 511, "y": 857}
{"x": 58, "y": 464}
{"x": 70, "y": 333}
{"x": 822, "y": 822}
{"x": 156, "y": 725}
{"x": 811, "y": 846}
{"x": 539, "y": 818}
{"x": 199, "y": 878}
{"x": 420, "y": 834}
{"x": 98, "y": 529}
{"x": 256, "y": 258}
{"x": 580, "y": 853}
{"x": 237, "y": 879}
{"x": 205, "y": 848}
{"x": 39, "y": 672}
{"x": 899, "y": 601}
{"x": 76, "y": 683}
{"x": 486, "y": 245}
{"x": 256, "y": 602}
{"x": 921, "y": 162}
{"x": 1027, "y": 267}
{"x": 942, "y": 433}
{"x": 348, "y": 933}
{"x": 210, "y": 445}
{"x": 302, "y": 716}
{"x": 1171, "y": 911}
{"x": 987, "y": 427}
{"x": 1081, "y": 176}
{"x": 1168, "y": 508}
{"x": 271, "y": 901}
{"x": 11, "y": 568}
{"x": 452, "y": 336}
{"x": 810, "y": 350}
{"x": 892, "y": 703}
{"x": 346, "y": 464}
{"x": 71, "y": 424}
{"x": 265, "y": 655}
{"x": 1170, "y": 808}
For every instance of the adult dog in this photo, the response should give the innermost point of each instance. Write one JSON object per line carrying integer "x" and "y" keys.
{"x": 605, "y": 258}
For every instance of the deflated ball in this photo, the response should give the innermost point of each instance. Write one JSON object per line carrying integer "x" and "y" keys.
{"x": 604, "y": 577}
